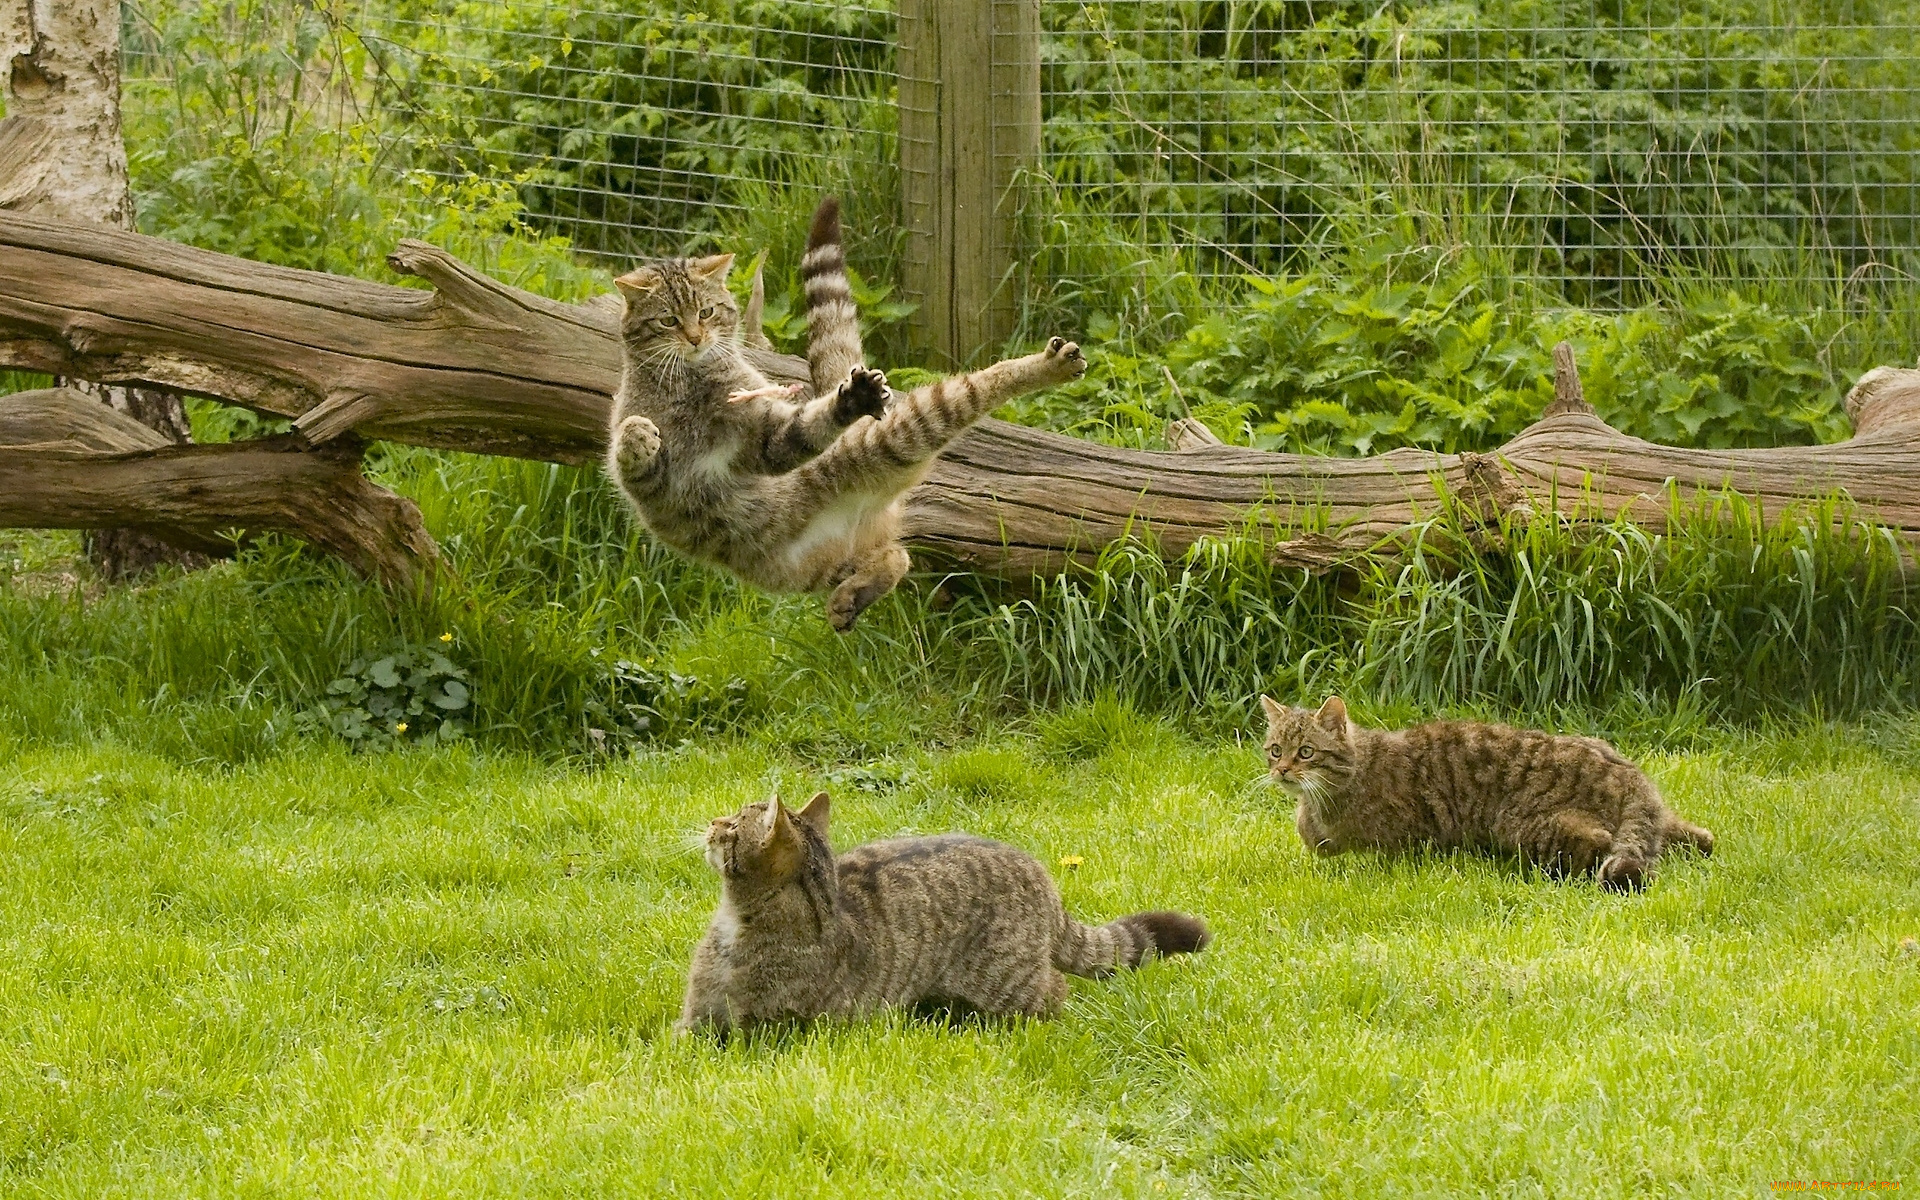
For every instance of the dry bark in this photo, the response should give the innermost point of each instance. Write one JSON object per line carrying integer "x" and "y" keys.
{"x": 69, "y": 462}
{"x": 475, "y": 365}
{"x": 61, "y": 155}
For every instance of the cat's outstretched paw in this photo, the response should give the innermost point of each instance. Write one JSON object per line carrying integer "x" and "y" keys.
{"x": 862, "y": 394}
{"x": 635, "y": 445}
{"x": 1061, "y": 361}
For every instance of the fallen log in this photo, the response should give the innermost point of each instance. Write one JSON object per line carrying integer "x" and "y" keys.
{"x": 476, "y": 365}
{"x": 70, "y": 462}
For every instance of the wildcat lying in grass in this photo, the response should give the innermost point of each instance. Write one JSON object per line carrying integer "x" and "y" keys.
{"x": 1569, "y": 804}
{"x": 951, "y": 919}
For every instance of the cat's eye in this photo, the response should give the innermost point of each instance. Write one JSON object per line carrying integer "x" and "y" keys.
{"x": 706, "y": 312}
{"x": 665, "y": 322}
{"x": 1306, "y": 752}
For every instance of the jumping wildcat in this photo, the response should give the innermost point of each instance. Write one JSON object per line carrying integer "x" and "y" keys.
{"x": 1569, "y": 804}
{"x": 953, "y": 918}
{"x": 791, "y": 495}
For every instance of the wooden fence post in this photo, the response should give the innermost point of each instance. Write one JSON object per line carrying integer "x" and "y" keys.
{"x": 969, "y": 101}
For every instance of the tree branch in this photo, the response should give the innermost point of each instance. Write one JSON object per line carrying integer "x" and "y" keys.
{"x": 484, "y": 367}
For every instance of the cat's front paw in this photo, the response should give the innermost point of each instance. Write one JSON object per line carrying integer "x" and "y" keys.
{"x": 863, "y": 394}
{"x": 635, "y": 445}
{"x": 1062, "y": 361}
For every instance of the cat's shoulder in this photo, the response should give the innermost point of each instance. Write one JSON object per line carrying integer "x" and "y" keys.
{"x": 936, "y": 845}
{"x": 931, "y": 852}
{"x": 1496, "y": 734}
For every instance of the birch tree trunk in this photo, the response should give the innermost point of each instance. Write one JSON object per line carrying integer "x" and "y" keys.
{"x": 62, "y": 156}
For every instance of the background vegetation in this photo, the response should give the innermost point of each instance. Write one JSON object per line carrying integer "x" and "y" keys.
{"x": 316, "y": 135}
{"x": 307, "y": 887}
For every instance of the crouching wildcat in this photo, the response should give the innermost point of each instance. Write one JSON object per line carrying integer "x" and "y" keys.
{"x": 1569, "y": 804}
{"x": 952, "y": 919}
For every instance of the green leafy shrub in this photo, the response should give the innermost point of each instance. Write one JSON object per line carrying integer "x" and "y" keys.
{"x": 632, "y": 703}
{"x": 410, "y": 694}
{"x": 636, "y": 131}
{"x": 257, "y": 129}
{"x": 1391, "y": 344}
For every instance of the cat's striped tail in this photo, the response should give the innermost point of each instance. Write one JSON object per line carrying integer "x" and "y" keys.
{"x": 1101, "y": 949}
{"x": 833, "y": 324}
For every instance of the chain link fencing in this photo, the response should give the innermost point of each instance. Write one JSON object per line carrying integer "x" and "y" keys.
{"x": 1587, "y": 145}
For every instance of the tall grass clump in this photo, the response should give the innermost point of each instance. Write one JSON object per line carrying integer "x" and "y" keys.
{"x": 1811, "y": 610}
{"x": 1727, "y": 611}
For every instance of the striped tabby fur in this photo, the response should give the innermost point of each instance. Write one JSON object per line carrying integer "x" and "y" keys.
{"x": 1570, "y": 804}
{"x": 790, "y": 494}
{"x": 950, "y": 919}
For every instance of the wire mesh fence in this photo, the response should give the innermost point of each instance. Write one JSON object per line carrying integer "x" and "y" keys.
{"x": 635, "y": 132}
{"x": 1589, "y": 145}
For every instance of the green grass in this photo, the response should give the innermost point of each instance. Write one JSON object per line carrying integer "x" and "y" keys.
{"x": 1724, "y": 622}
{"x": 452, "y": 973}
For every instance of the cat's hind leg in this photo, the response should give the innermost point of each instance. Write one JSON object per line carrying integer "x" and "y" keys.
{"x": 1039, "y": 992}
{"x": 1045, "y": 994}
{"x": 864, "y": 579}
{"x": 1575, "y": 843}
{"x": 1636, "y": 843}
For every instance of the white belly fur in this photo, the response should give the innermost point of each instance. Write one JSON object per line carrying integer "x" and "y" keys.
{"x": 717, "y": 462}
{"x": 836, "y": 525}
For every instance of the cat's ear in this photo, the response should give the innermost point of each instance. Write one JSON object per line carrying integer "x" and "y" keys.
{"x": 814, "y": 815}
{"x": 774, "y": 822}
{"x": 713, "y": 267}
{"x": 1274, "y": 710}
{"x": 1333, "y": 715}
{"x": 779, "y": 853}
{"x": 638, "y": 283}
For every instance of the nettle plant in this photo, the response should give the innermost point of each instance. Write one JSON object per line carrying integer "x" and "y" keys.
{"x": 408, "y": 694}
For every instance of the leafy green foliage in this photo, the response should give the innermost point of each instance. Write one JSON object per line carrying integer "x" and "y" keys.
{"x": 252, "y": 129}
{"x": 636, "y": 703}
{"x": 636, "y": 131}
{"x": 410, "y": 694}
{"x": 1390, "y": 345}
{"x": 1339, "y": 362}
{"x": 1611, "y": 137}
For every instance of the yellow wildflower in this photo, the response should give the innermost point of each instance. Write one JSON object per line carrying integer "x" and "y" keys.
{"x": 1070, "y": 861}
{"x": 400, "y": 727}
{"x": 446, "y": 637}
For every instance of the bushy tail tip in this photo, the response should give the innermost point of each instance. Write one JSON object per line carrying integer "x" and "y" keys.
{"x": 1168, "y": 933}
{"x": 826, "y": 224}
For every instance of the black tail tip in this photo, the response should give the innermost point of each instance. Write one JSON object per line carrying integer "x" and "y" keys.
{"x": 826, "y": 224}
{"x": 1172, "y": 932}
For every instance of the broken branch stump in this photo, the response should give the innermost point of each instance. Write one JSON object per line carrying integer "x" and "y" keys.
{"x": 69, "y": 462}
